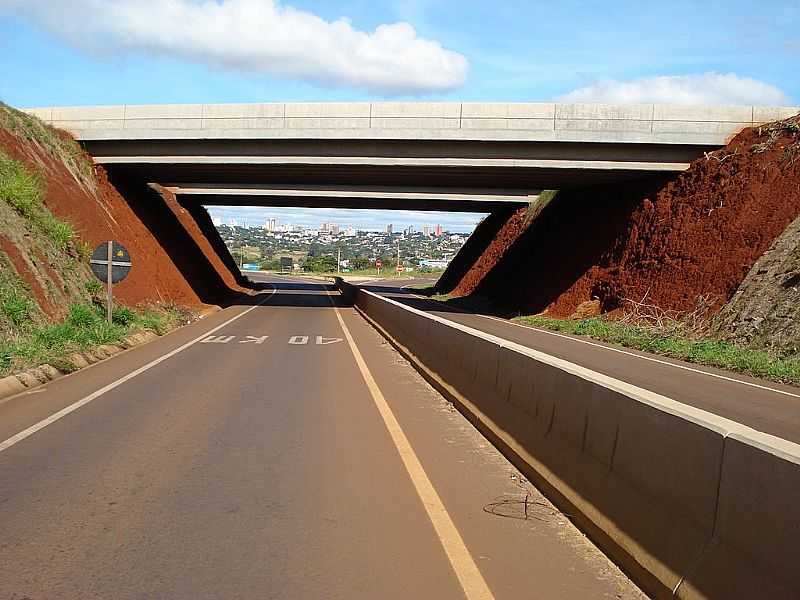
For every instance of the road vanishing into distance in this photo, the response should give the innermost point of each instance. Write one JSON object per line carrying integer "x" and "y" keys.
{"x": 278, "y": 448}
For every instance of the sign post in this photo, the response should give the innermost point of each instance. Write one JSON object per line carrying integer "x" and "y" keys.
{"x": 109, "y": 284}
{"x": 110, "y": 263}
{"x": 399, "y": 266}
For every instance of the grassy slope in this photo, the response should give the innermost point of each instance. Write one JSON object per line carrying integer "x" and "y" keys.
{"x": 84, "y": 328}
{"x": 672, "y": 341}
{"x": 707, "y": 351}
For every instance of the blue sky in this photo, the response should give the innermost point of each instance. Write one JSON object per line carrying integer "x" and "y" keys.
{"x": 360, "y": 219}
{"x": 79, "y": 52}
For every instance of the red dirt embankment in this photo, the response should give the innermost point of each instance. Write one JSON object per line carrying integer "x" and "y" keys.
{"x": 174, "y": 261}
{"x": 669, "y": 241}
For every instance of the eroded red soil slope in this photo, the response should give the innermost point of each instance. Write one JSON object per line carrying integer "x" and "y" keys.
{"x": 666, "y": 241}
{"x": 173, "y": 260}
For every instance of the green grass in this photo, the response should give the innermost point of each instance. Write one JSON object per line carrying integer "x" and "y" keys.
{"x": 424, "y": 285}
{"x": 704, "y": 351}
{"x": 58, "y": 144}
{"x": 385, "y": 274}
{"x": 84, "y": 328}
{"x": 15, "y": 305}
{"x": 359, "y": 273}
{"x": 23, "y": 190}
{"x": 535, "y": 208}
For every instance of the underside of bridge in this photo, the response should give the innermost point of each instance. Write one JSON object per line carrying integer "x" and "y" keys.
{"x": 457, "y": 176}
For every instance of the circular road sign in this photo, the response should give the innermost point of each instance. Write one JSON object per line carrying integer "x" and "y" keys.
{"x": 120, "y": 262}
{"x": 378, "y": 264}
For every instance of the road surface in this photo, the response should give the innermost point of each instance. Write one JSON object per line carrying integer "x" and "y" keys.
{"x": 762, "y": 405}
{"x": 279, "y": 448}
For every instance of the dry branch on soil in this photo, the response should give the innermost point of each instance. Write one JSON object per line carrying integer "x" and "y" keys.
{"x": 718, "y": 155}
{"x": 692, "y": 324}
{"x": 774, "y": 131}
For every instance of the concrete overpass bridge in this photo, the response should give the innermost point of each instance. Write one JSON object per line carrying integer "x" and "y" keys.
{"x": 421, "y": 156}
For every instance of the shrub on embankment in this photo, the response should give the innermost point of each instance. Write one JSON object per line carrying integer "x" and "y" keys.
{"x": 84, "y": 329}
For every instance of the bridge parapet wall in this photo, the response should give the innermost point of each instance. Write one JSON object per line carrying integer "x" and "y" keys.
{"x": 582, "y": 123}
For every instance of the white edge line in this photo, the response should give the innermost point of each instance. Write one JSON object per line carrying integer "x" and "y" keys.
{"x": 15, "y": 439}
{"x": 701, "y": 417}
{"x": 629, "y": 353}
{"x": 650, "y": 358}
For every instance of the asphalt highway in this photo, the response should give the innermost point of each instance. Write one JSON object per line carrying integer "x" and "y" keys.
{"x": 278, "y": 448}
{"x": 765, "y": 406}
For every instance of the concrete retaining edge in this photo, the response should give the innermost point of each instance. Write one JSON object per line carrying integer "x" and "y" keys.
{"x": 32, "y": 378}
{"x": 690, "y": 504}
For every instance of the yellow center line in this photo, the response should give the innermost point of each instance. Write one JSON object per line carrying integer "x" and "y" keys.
{"x": 469, "y": 576}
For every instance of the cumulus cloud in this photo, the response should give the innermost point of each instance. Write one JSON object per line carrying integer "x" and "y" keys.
{"x": 260, "y": 36}
{"x": 705, "y": 88}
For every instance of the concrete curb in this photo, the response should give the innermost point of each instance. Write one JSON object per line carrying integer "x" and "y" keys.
{"x": 690, "y": 504}
{"x": 32, "y": 378}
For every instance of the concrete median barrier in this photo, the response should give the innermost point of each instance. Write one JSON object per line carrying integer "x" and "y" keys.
{"x": 756, "y": 544}
{"x": 690, "y": 504}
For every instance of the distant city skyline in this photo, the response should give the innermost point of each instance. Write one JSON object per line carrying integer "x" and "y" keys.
{"x": 371, "y": 220}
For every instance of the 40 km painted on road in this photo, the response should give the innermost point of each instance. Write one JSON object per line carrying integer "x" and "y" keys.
{"x": 295, "y": 340}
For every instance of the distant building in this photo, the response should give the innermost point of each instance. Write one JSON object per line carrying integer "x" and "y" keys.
{"x": 434, "y": 263}
{"x": 329, "y": 228}
{"x": 426, "y": 230}
{"x": 438, "y": 231}
{"x": 271, "y": 225}
{"x": 389, "y": 229}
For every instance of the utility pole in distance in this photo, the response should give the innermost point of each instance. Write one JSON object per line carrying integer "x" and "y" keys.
{"x": 339, "y": 262}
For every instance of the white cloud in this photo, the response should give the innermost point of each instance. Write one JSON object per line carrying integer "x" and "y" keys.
{"x": 705, "y": 88}
{"x": 261, "y": 36}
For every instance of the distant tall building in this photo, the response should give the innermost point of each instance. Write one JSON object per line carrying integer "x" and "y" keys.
{"x": 426, "y": 230}
{"x": 271, "y": 224}
{"x": 232, "y": 222}
{"x": 438, "y": 231}
{"x": 329, "y": 228}
{"x": 389, "y": 229}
